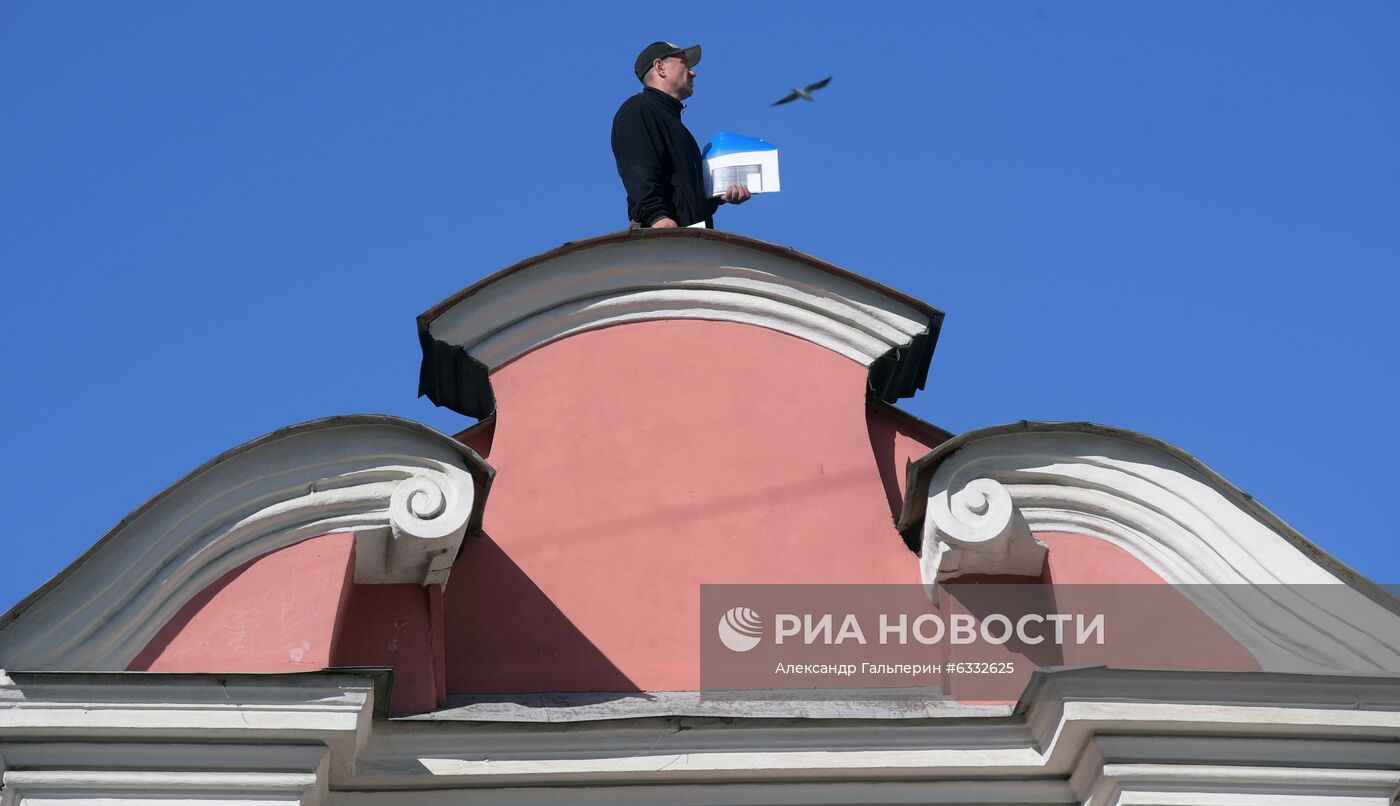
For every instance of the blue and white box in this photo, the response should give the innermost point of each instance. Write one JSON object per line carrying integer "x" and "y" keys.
{"x": 733, "y": 159}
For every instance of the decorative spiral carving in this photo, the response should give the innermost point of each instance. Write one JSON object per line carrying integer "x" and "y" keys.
{"x": 976, "y": 529}
{"x": 431, "y": 504}
{"x": 978, "y": 513}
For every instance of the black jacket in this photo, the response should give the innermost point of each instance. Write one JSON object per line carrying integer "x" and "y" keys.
{"x": 659, "y": 162}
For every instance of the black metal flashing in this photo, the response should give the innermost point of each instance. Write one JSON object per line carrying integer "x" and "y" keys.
{"x": 903, "y": 371}
{"x": 451, "y": 378}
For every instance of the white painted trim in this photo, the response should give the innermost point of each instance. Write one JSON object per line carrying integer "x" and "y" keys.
{"x": 245, "y": 707}
{"x": 404, "y": 490}
{"x": 1237, "y": 734}
{"x": 641, "y": 279}
{"x": 174, "y": 756}
{"x": 1246, "y": 770}
{"x": 1228, "y": 785}
{"x": 144, "y": 788}
{"x": 136, "y": 723}
{"x": 1186, "y": 524}
{"x": 118, "y": 771}
{"x": 825, "y": 793}
{"x": 1251, "y": 719}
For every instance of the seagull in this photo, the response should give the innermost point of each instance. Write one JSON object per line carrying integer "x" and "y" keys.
{"x": 805, "y": 93}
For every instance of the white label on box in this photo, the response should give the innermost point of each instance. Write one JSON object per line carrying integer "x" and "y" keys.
{"x": 758, "y": 170}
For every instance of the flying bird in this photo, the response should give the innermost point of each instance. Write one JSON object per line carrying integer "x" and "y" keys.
{"x": 805, "y": 93}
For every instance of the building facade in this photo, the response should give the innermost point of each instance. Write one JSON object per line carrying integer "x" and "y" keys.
{"x": 361, "y": 608}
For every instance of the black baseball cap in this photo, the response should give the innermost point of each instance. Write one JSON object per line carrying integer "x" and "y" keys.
{"x": 662, "y": 50}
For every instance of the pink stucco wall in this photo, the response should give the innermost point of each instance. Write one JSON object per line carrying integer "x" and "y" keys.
{"x": 1080, "y": 560}
{"x": 277, "y": 613}
{"x": 398, "y": 626}
{"x": 1148, "y": 623}
{"x": 298, "y": 609}
{"x": 1158, "y": 625}
{"x": 896, "y": 439}
{"x": 636, "y": 463}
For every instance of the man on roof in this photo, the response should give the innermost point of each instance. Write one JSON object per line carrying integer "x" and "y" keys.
{"x": 657, "y": 158}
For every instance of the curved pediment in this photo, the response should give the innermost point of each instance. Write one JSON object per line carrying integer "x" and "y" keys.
{"x": 648, "y": 275}
{"x": 976, "y": 503}
{"x": 407, "y": 493}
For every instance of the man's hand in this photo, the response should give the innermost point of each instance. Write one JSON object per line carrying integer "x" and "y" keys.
{"x": 664, "y": 223}
{"x": 737, "y": 194}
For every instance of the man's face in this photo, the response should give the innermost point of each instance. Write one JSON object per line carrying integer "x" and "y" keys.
{"x": 678, "y": 79}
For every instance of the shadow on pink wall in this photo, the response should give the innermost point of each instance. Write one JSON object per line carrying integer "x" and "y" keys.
{"x": 896, "y": 439}
{"x": 507, "y": 636}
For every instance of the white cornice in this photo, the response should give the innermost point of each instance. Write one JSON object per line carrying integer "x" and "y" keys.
{"x": 407, "y": 492}
{"x": 133, "y": 787}
{"x": 640, "y": 279}
{"x": 329, "y": 708}
{"x": 120, "y": 737}
{"x": 1292, "y": 606}
{"x": 1225, "y": 719}
{"x": 1090, "y": 731}
{"x": 1241, "y": 770}
{"x": 712, "y": 793}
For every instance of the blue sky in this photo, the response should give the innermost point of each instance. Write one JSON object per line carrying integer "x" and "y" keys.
{"x": 1180, "y": 218}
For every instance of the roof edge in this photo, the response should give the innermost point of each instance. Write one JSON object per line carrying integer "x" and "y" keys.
{"x": 426, "y": 318}
{"x": 452, "y": 377}
{"x": 919, "y": 474}
{"x": 477, "y": 468}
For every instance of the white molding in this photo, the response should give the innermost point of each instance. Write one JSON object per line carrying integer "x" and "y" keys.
{"x": 1260, "y": 580}
{"x": 825, "y": 793}
{"x": 1223, "y": 785}
{"x": 304, "y": 707}
{"x": 142, "y": 788}
{"x": 642, "y": 279}
{"x": 1071, "y": 724}
{"x": 405, "y": 491}
{"x": 120, "y": 771}
{"x": 1245, "y": 719}
{"x": 177, "y": 731}
{"x": 1238, "y": 735}
{"x": 169, "y": 756}
{"x": 1245, "y": 770}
